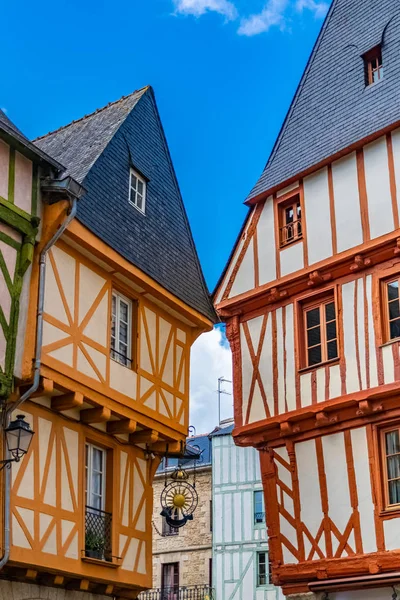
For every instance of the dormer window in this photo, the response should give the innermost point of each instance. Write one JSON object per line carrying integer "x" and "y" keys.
{"x": 373, "y": 66}
{"x": 137, "y": 191}
{"x": 290, "y": 221}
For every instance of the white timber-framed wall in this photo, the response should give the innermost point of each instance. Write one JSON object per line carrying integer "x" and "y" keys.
{"x": 236, "y": 538}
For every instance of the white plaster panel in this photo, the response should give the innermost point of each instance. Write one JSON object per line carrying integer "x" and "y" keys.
{"x": 96, "y": 329}
{"x": 373, "y": 370}
{"x": 12, "y": 233}
{"x": 310, "y": 495}
{"x": 388, "y": 364}
{"x": 218, "y": 518}
{"x": 290, "y": 533}
{"x": 123, "y": 379}
{"x": 53, "y": 304}
{"x": 266, "y": 366}
{"x": 10, "y": 258}
{"x": 66, "y": 528}
{"x": 4, "y": 168}
{"x": 84, "y": 366}
{"x": 335, "y": 462}
{"x": 3, "y": 348}
{"x": 396, "y": 160}
{"x": 361, "y": 332}
{"x": 281, "y": 372}
{"x": 291, "y": 258}
{"x": 5, "y": 298}
{"x": 130, "y": 556}
{"x": 283, "y": 473}
{"x": 23, "y": 311}
{"x": 347, "y": 203}
{"x": 227, "y": 503}
{"x": 317, "y": 209}
{"x": 305, "y": 389}
{"x": 257, "y": 410}
{"x": 378, "y": 188}
{"x": 266, "y": 244}
{"x": 254, "y": 326}
{"x": 335, "y": 382}
{"x": 352, "y": 383}
{"x": 90, "y": 285}
{"x": 244, "y": 280}
{"x": 18, "y": 536}
{"x": 391, "y": 529}
{"x": 247, "y": 517}
{"x": 181, "y": 335}
{"x": 364, "y": 492}
{"x": 290, "y": 362}
{"x": 51, "y": 544}
{"x": 66, "y": 266}
{"x": 321, "y": 377}
{"x": 99, "y": 359}
{"x": 247, "y": 372}
{"x": 72, "y": 551}
{"x": 229, "y": 271}
{"x": 287, "y": 189}
{"x": 237, "y": 511}
{"x": 52, "y": 334}
{"x": 23, "y": 183}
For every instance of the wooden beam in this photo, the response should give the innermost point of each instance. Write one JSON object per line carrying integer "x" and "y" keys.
{"x": 67, "y": 401}
{"x": 46, "y": 388}
{"x": 59, "y": 580}
{"x": 147, "y": 436}
{"x": 95, "y": 415}
{"x": 167, "y": 447}
{"x": 31, "y": 574}
{"x": 122, "y": 426}
{"x": 84, "y": 585}
{"x": 109, "y": 590}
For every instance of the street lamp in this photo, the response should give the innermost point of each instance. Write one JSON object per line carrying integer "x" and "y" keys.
{"x": 18, "y": 438}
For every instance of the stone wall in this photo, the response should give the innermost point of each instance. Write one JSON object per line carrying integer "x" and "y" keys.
{"x": 192, "y": 547}
{"x": 15, "y": 590}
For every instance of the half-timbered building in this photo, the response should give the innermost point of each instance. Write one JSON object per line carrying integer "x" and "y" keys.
{"x": 310, "y": 297}
{"x": 114, "y": 301}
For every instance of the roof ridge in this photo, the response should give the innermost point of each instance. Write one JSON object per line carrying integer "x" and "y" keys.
{"x": 98, "y": 110}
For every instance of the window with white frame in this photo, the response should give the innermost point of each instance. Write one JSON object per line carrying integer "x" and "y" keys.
{"x": 137, "y": 190}
{"x": 95, "y": 466}
{"x": 262, "y": 569}
{"x": 121, "y": 329}
{"x": 259, "y": 512}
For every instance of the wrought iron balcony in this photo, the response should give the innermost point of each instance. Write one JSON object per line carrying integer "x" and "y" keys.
{"x": 190, "y": 592}
{"x": 259, "y": 518}
{"x": 98, "y": 534}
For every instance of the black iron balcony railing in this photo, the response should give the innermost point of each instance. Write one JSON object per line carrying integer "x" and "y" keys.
{"x": 190, "y": 592}
{"x": 259, "y": 517}
{"x": 98, "y": 534}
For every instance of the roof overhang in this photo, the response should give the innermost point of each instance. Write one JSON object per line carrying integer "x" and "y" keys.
{"x": 28, "y": 148}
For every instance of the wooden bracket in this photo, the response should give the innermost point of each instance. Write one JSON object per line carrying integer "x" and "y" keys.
{"x": 276, "y": 295}
{"x": 397, "y": 249}
{"x": 374, "y": 567}
{"x": 122, "y": 426}
{"x": 109, "y": 589}
{"x": 167, "y": 447}
{"x": 84, "y": 585}
{"x": 95, "y": 415}
{"x": 322, "y": 419}
{"x": 315, "y": 278}
{"x": 59, "y": 580}
{"x": 31, "y": 574}
{"x": 147, "y": 436}
{"x": 46, "y": 388}
{"x": 364, "y": 408}
{"x": 359, "y": 263}
{"x": 286, "y": 428}
{"x": 67, "y": 401}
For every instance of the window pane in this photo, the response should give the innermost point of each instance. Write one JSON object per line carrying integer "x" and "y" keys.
{"x": 133, "y": 181}
{"x": 298, "y": 211}
{"x": 314, "y": 355}
{"x": 392, "y": 442}
{"x": 96, "y": 483}
{"x": 395, "y": 329}
{"x": 139, "y": 201}
{"x": 140, "y": 187}
{"x": 262, "y": 579}
{"x": 330, "y": 314}
{"x": 123, "y": 311}
{"x": 289, "y": 215}
{"x": 331, "y": 330}
{"x": 393, "y": 466}
{"x": 97, "y": 459}
{"x": 313, "y": 318}
{"x": 393, "y": 290}
{"x": 313, "y": 336}
{"x": 394, "y": 491}
{"x": 332, "y": 350}
{"x": 394, "y": 311}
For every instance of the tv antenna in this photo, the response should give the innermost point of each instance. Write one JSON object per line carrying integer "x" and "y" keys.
{"x": 220, "y": 392}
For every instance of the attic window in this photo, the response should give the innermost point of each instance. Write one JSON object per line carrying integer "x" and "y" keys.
{"x": 137, "y": 191}
{"x": 373, "y": 66}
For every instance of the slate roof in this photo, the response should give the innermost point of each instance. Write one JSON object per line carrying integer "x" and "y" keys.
{"x": 98, "y": 151}
{"x": 203, "y": 442}
{"x": 223, "y": 431}
{"x": 332, "y": 109}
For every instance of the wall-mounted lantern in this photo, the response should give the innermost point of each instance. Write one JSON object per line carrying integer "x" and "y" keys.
{"x": 18, "y": 439}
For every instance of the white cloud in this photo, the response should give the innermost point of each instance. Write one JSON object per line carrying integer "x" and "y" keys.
{"x": 277, "y": 13}
{"x": 318, "y": 8}
{"x": 211, "y": 358}
{"x": 271, "y": 15}
{"x": 198, "y": 8}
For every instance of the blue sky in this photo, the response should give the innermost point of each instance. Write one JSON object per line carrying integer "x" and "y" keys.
{"x": 223, "y": 71}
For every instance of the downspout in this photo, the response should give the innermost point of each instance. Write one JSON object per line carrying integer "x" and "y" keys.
{"x": 36, "y": 374}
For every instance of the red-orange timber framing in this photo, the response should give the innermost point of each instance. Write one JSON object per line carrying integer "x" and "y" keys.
{"x": 372, "y": 408}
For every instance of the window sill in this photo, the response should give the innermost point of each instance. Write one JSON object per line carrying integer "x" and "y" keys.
{"x": 390, "y": 513}
{"x": 112, "y": 564}
{"x": 292, "y": 243}
{"x": 142, "y": 212}
{"x": 390, "y": 343}
{"x": 326, "y": 363}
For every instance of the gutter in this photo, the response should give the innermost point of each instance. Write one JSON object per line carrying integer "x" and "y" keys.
{"x": 37, "y": 364}
{"x": 355, "y": 583}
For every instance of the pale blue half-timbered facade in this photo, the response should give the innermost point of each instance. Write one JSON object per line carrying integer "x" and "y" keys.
{"x": 240, "y": 545}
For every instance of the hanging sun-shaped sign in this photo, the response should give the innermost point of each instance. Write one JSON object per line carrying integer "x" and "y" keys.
{"x": 179, "y": 501}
